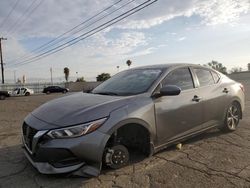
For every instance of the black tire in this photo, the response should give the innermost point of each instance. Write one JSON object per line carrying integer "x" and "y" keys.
{"x": 116, "y": 156}
{"x": 64, "y": 91}
{"x": 2, "y": 97}
{"x": 27, "y": 94}
{"x": 232, "y": 118}
{"x": 47, "y": 92}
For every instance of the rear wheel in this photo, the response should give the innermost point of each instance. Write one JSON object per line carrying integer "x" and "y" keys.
{"x": 47, "y": 92}
{"x": 27, "y": 94}
{"x": 116, "y": 156}
{"x": 232, "y": 117}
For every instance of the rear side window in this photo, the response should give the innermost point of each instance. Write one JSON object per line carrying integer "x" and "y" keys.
{"x": 204, "y": 76}
{"x": 216, "y": 76}
{"x": 181, "y": 78}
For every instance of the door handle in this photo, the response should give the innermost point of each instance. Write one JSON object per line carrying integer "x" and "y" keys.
{"x": 225, "y": 90}
{"x": 196, "y": 98}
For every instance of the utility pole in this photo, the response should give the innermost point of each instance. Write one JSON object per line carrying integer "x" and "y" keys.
{"x": 51, "y": 77}
{"x": 1, "y": 56}
{"x": 14, "y": 76}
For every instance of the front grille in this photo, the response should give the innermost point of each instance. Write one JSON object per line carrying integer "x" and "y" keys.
{"x": 28, "y": 135}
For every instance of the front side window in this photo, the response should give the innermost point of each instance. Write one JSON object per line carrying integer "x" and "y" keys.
{"x": 129, "y": 82}
{"x": 179, "y": 77}
{"x": 204, "y": 76}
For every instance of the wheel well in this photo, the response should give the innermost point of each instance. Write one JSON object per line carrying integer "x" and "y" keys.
{"x": 135, "y": 137}
{"x": 239, "y": 105}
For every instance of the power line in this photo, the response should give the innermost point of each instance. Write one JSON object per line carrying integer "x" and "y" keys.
{"x": 75, "y": 32}
{"x": 27, "y": 16}
{"x": 81, "y": 37}
{"x": 85, "y": 27}
{"x": 20, "y": 18}
{"x": 56, "y": 41}
{"x": 89, "y": 33}
{"x": 8, "y": 15}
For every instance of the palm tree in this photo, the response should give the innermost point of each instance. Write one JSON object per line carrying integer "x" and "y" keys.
{"x": 66, "y": 73}
{"x": 129, "y": 62}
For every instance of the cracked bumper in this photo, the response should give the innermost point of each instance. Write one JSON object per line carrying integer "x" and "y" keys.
{"x": 82, "y": 169}
{"x": 46, "y": 168}
{"x": 80, "y": 156}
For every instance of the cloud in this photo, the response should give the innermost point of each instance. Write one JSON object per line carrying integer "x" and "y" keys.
{"x": 53, "y": 17}
{"x": 13, "y": 49}
{"x": 124, "y": 43}
{"x": 181, "y": 39}
{"x": 222, "y": 11}
{"x": 212, "y": 12}
{"x": 142, "y": 52}
{"x": 101, "y": 49}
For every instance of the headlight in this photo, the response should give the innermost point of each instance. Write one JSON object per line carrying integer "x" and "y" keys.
{"x": 75, "y": 131}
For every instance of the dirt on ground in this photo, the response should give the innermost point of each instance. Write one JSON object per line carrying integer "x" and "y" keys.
{"x": 213, "y": 159}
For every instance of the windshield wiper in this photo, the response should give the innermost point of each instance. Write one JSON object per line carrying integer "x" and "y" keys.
{"x": 106, "y": 93}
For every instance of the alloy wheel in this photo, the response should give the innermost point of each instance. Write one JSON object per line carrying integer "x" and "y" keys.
{"x": 233, "y": 117}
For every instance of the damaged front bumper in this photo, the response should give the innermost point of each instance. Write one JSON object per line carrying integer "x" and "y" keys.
{"x": 81, "y": 156}
{"x": 46, "y": 168}
{"x": 81, "y": 169}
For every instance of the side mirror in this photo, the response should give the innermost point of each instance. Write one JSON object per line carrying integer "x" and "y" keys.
{"x": 170, "y": 90}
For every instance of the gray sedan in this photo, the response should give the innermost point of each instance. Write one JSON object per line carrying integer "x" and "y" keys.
{"x": 139, "y": 111}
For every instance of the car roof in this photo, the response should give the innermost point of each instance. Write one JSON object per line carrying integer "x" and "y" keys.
{"x": 170, "y": 65}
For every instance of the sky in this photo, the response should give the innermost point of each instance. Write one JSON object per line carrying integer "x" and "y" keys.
{"x": 168, "y": 31}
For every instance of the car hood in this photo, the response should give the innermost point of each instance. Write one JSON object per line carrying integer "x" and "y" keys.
{"x": 78, "y": 108}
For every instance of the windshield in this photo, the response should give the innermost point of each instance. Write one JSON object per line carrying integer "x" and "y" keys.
{"x": 130, "y": 82}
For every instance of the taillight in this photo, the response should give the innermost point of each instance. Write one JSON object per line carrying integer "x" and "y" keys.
{"x": 242, "y": 87}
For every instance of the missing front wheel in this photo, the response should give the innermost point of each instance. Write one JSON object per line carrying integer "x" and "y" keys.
{"x": 116, "y": 156}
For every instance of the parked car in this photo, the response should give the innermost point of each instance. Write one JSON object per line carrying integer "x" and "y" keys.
{"x": 21, "y": 91}
{"x": 3, "y": 95}
{"x": 55, "y": 89}
{"x": 141, "y": 110}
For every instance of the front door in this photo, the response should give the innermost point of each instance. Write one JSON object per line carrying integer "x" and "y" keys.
{"x": 177, "y": 116}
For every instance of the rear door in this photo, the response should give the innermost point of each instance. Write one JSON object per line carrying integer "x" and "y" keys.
{"x": 58, "y": 89}
{"x": 213, "y": 95}
{"x": 53, "y": 89}
{"x": 177, "y": 116}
